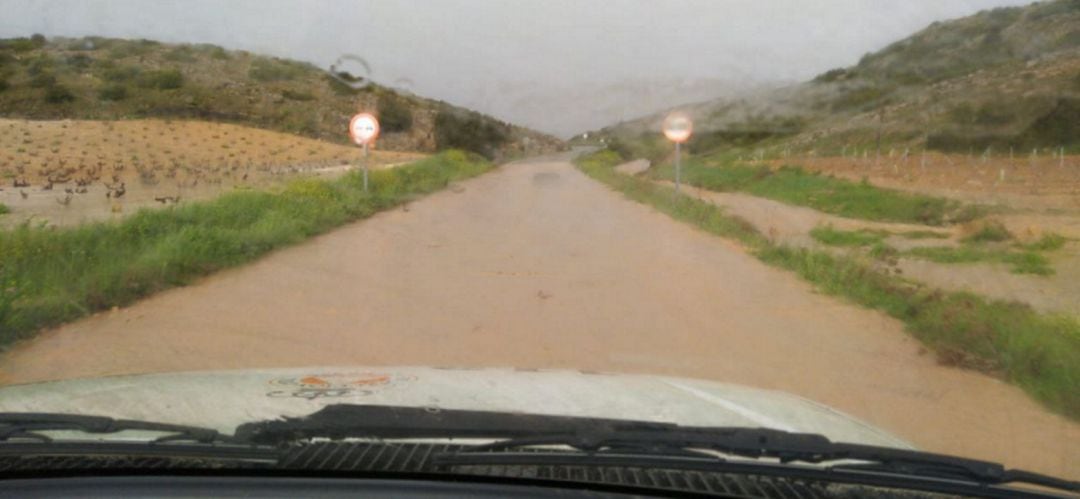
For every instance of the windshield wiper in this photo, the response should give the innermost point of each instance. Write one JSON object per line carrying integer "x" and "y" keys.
{"x": 32, "y": 425}
{"x": 599, "y": 437}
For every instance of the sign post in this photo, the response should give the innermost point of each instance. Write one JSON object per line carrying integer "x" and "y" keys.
{"x": 677, "y": 128}
{"x": 363, "y": 130}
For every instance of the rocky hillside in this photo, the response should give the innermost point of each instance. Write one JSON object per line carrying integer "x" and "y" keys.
{"x": 108, "y": 79}
{"x": 1000, "y": 79}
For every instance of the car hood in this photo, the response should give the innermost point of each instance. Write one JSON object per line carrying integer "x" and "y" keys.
{"x": 225, "y": 399}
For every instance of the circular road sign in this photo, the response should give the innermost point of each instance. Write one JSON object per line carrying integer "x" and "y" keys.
{"x": 678, "y": 127}
{"x": 363, "y": 128}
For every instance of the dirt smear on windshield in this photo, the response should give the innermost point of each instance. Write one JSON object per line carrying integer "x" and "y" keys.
{"x": 537, "y": 266}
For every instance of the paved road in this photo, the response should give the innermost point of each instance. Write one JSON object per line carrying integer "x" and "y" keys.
{"x": 535, "y": 265}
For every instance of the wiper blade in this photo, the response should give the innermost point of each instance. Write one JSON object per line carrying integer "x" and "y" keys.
{"x": 787, "y": 447}
{"x": 31, "y": 425}
{"x": 594, "y": 435}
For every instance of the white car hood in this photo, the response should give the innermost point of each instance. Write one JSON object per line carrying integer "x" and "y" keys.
{"x": 225, "y": 399}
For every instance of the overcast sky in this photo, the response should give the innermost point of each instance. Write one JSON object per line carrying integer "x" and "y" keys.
{"x": 500, "y": 56}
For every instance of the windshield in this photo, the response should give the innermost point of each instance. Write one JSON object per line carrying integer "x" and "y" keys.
{"x": 847, "y": 218}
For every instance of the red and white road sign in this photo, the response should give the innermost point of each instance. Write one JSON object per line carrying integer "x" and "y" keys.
{"x": 363, "y": 128}
{"x": 678, "y": 127}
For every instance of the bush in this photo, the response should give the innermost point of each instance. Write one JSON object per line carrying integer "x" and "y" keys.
{"x": 831, "y": 76}
{"x": 43, "y": 80}
{"x": 118, "y": 74}
{"x": 338, "y": 87}
{"x": 166, "y": 79}
{"x": 18, "y": 44}
{"x": 991, "y": 231}
{"x": 297, "y": 95}
{"x": 470, "y": 131}
{"x": 860, "y": 98}
{"x": 4, "y": 209}
{"x": 394, "y": 113}
{"x": 38, "y": 40}
{"x": 1059, "y": 127}
{"x": 58, "y": 94}
{"x": 3, "y": 85}
{"x": 39, "y": 65}
{"x": 113, "y": 92}
{"x": 182, "y": 53}
{"x": 265, "y": 70}
{"x": 217, "y": 52}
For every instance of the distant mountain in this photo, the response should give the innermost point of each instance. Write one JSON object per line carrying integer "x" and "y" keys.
{"x": 1002, "y": 78}
{"x": 586, "y": 107}
{"x": 103, "y": 78}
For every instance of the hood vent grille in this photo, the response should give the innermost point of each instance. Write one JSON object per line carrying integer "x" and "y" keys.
{"x": 372, "y": 457}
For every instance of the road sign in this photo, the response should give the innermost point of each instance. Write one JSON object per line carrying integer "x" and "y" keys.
{"x": 677, "y": 128}
{"x": 363, "y": 129}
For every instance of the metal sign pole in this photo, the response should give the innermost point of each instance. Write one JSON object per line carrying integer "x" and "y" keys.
{"x": 678, "y": 165}
{"x": 365, "y": 161}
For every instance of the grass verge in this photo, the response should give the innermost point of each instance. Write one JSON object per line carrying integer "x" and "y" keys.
{"x": 979, "y": 247}
{"x": 51, "y": 275}
{"x": 1039, "y": 353}
{"x": 848, "y": 238}
{"x": 1020, "y": 262}
{"x": 824, "y": 193}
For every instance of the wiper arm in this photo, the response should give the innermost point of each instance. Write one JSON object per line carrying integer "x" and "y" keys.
{"x": 594, "y": 435}
{"x": 30, "y": 425}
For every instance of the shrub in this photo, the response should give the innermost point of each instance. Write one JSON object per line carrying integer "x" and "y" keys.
{"x": 831, "y": 76}
{"x": 4, "y": 209}
{"x": 470, "y": 131}
{"x": 58, "y": 94}
{"x": 338, "y": 87}
{"x": 1059, "y": 127}
{"x": 297, "y": 95}
{"x": 124, "y": 73}
{"x": 113, "y": 92}
{"x": 992, "y": 231}
{"x": 182, "y": 53}
{"x": 217, "y": 52}
{"x": 38, "y": 40}
{"x": 39, "y": 65}
{"x": 19, "y": 44}
{"x": 3, "y": 85}
{"x": 264, "y": 70}
{"x": 43, "y": 80}
{"x": 78, "y": 62}
{"x": 165, "y": 79}
{"x": 860, "y": 98}
{"x": 990, "y": 114}
{"x": 394, "y": 113}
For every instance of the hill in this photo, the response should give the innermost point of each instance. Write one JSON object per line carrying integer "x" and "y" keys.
{"x": 97, "y": 78}
{"x": 1002, "y": 78}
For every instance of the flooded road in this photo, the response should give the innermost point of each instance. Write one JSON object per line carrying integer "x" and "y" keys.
{"x": 537, "y": 266}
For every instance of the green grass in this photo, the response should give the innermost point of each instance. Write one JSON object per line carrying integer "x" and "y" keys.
{"x": 704, "y": 215}
{"x": 1037, "y": 352}
{"x": 4, "y": 209}
{"x": 993, "y": 232}
{"x": 1020, "y": 262}
{"x": 1048, "y": 242}
{"x": 824, "y": 193}
{"x": 50, "y": 275}
{"x": 924, "y": 234}
{"x": 834, "y": 237}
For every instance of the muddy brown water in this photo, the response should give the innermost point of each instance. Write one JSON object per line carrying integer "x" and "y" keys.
{"x": 537, "y": 266}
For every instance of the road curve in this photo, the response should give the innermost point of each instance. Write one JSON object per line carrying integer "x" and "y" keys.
{"x": 537, "y": 266}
